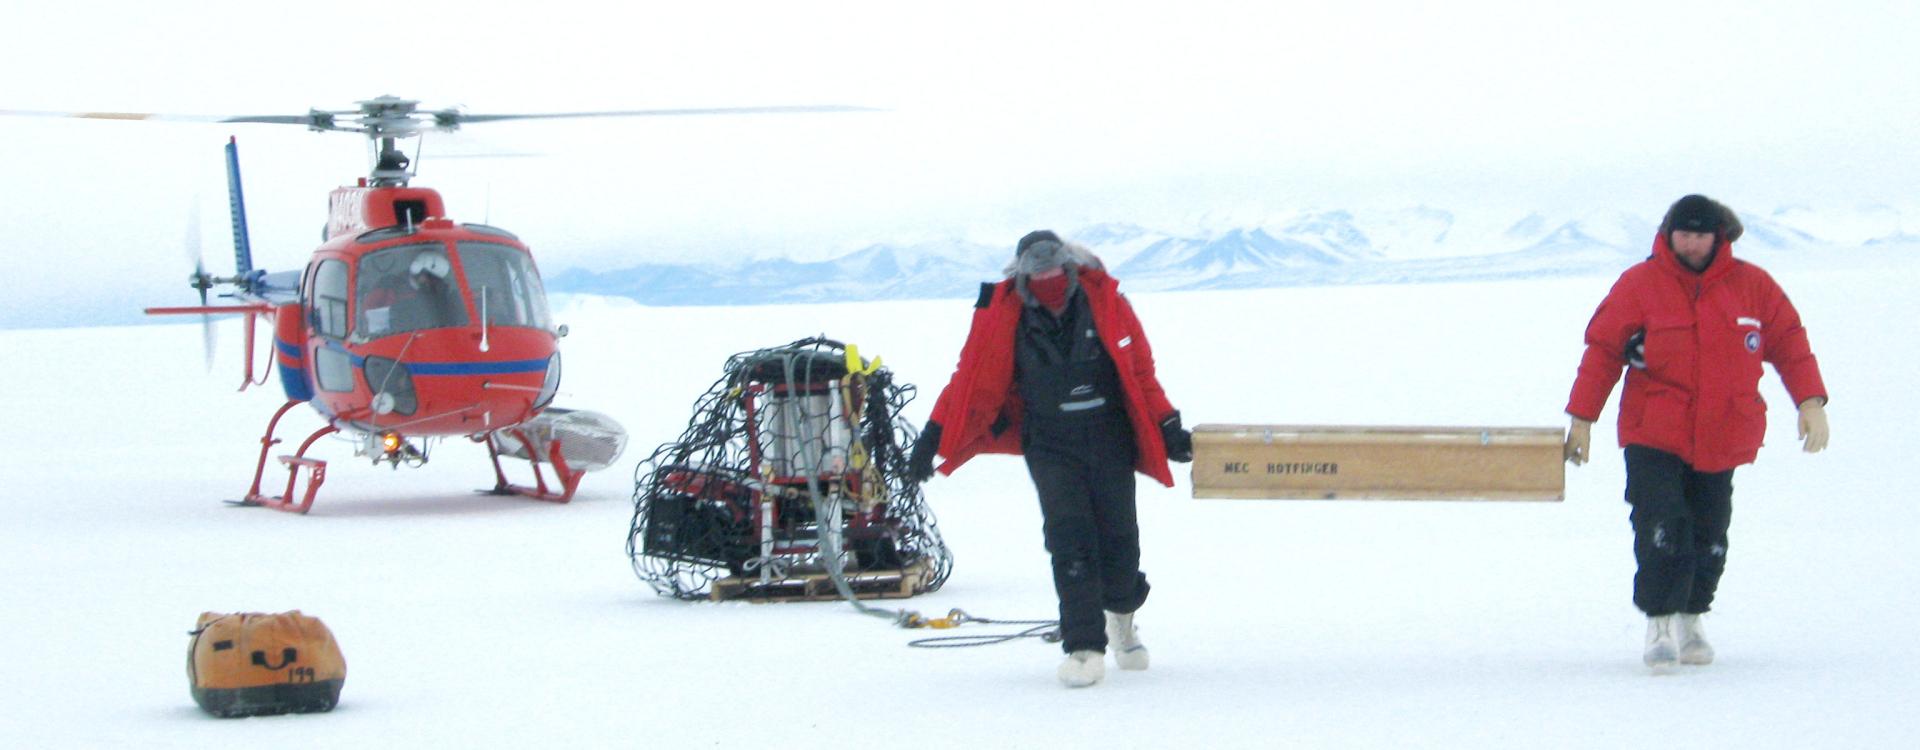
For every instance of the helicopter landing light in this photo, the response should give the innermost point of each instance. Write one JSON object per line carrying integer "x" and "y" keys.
{"x": 395, "y": 450}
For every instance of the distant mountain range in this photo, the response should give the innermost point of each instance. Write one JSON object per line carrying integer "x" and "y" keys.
{"x": 1308, "y": 248}
{"x": 1305, "y": 248}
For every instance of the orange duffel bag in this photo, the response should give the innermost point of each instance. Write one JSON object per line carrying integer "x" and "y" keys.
{"x": 248, "y": 664}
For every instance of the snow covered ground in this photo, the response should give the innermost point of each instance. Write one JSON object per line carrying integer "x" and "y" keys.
{"x": 470, "y": 620}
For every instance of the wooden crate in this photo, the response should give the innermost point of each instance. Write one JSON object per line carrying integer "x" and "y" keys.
{"x": 818, "y": 587}
{"x": 1305, "y": 462}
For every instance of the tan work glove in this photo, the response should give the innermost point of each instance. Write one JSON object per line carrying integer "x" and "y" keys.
{"x": 1580, "y": 442}
{"x": 1813, "y": 424}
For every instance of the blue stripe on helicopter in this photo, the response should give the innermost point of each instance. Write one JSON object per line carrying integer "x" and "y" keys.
{"x": 468, "y": 368}
{"x": 506, "y": 367}
{"x": 477, "y": 368}
{"x": 290, "y": 351}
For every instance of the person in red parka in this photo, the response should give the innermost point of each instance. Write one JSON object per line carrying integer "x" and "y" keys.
{"x": 1691, "y": 325}
{"x": 1057, "y": 368}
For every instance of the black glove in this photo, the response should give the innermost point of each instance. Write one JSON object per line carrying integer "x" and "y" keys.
{"x": 1179, "y": 441}
{"x": 1637, "y": 350}
{"x": 920, "y": 464}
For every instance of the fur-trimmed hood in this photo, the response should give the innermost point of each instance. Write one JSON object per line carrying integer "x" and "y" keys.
{"x": 1046, "y": 256}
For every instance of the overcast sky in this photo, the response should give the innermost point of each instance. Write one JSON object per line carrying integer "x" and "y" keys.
{"x": 999, "y": 117}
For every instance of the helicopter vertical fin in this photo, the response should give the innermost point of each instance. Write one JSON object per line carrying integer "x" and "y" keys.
{"x": 242, "y": 248}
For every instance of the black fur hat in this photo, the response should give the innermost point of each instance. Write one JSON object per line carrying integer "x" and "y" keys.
{"x": 1698, "y": 213}
{"x": 1695, "y": 213}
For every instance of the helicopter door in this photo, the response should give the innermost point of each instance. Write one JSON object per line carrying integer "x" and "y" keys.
{"x": 407, "y": 288}
{"x": 327, "y": 310}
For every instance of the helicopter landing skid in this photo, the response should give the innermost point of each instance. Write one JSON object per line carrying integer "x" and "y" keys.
{"x": 316, "y": 469}
{"x": 566, "y": 477}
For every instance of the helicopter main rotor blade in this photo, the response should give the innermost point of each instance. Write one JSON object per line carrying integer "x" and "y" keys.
{"x": 112, "y": 115}
{"x": 386, "y": 117}
{"x": 308, "y": 120}
{"x": 305, "y": 120}
{"x": 795, "y": 109}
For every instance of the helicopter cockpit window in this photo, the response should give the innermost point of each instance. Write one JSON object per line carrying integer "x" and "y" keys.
{"x": 407, "y": 288}
{"x": 503, "y": 282}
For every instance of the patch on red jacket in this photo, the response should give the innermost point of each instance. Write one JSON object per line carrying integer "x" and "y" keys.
{"x": 1753, "y": 341}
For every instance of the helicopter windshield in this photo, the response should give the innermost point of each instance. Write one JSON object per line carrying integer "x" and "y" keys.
{"x": 407, "y": 288}
{"x": 504, "y": 284}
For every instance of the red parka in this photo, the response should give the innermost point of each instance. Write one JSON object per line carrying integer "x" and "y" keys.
{"x": 1706, "y": 335}
{"x": 979, "y": 411}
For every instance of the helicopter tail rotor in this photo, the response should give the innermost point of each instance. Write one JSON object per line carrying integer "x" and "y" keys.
{"x": 201, "y": 281}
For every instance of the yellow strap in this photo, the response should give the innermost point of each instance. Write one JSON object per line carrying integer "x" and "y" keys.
{"x": 858, "y": 459}
{"x": 855, "y": 365}
{"x": 917, "y": 620}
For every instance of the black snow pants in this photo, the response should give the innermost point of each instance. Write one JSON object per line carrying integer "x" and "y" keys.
{"x": 1680, "y": 519}
{"x": 1083, "y": 471}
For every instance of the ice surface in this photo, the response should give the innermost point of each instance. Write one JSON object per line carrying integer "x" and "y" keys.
{"x": 470, "y": 620}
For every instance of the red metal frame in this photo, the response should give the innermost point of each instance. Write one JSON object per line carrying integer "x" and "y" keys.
{"x": 766, "y": 510}
{"x": 253, "y": 312}
{"x": 565, "y": 476}
{"x": 316, "y": 469}
{"x": 249, "y": 381}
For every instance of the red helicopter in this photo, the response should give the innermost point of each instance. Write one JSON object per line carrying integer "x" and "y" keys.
{"x": 407, "y": 326}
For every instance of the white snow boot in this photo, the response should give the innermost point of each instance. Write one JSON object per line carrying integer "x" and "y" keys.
{"x": 1124, "y": 640}
{"x": 1083, "y": 668}
{"x": 1694, "y": 648}
{"x": 1663, "y": 649}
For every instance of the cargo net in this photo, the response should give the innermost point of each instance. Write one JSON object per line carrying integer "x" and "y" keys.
{"x": 791, "y": 473}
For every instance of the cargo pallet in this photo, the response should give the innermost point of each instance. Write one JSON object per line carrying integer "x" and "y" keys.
{"x": 818, "y": 587}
